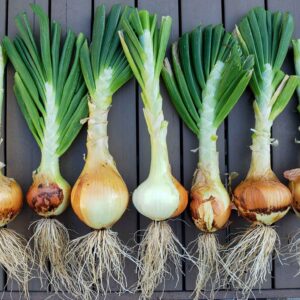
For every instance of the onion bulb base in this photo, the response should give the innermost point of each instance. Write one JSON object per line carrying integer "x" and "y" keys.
{"x": 97, "y": 261}
{"x": 16, "y": 258}
{"x": 210, "y": 265}
{"x": 158, "y": 248}
{"x": 50, "y": 243}
{"x": 249, "y": 257}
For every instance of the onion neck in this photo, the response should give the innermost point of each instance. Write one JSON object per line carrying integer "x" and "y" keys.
{"x": 261, "y": 139}
{"x": 208, "y": 156}
{"x": 97, "y": 139}
{"x": 49, "y": 159}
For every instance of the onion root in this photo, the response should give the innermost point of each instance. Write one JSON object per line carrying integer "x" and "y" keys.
{"x": 158, "y": 248}
{"x": 210, "y": 265}
{"x": 50, "y": 243}
{"x": 16, "y": 258}
{"x": 98, "y": 260}
{"x": 249, "y": 257}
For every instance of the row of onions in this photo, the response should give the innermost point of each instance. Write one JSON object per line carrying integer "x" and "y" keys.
{"x": 62, "y": 83}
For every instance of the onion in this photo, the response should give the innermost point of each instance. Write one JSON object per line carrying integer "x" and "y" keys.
{"x": 261, "y": 198}
{"x": 52, "y": 98}
{"x": 100, "y": 197}
{"x": 160, "y": 196}
{"x": 203, "y": 92}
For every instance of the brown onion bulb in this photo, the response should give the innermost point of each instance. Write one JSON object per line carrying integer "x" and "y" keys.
{"x": 262, "y": 200}
{"x": 294, "y": 177}
{"x": 11, "y": 200}
{"x": 100, "y": 196}
{"x": 48, "y": 196}
{"x": 210, "y": 204}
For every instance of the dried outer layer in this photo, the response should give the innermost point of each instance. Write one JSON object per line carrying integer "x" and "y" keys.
{"x": 11, "y": 200}
{"x": 210, "y": 204}
{"x": 47, "y": 196}
{"x": 183, "y": 198}
{"x": 100, "y": 196}
{"x": 294, "y": 177}
{"x": 262, "y": 200}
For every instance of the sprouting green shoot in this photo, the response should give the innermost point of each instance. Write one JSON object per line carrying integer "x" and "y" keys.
{"x": 104, "y": 65}
{"x": 207, "y": 66}
{"x": 49, "y": 87}
{"x": 267, "y": 37}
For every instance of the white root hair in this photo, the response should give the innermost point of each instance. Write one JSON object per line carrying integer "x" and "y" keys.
{"x": 158, "y": 251}
{"x": 249, "y": 257}
{"x": 16, "y": 259}
{"x": 50, "y": 243}
{"x": 97, "y": 261}
{"x": 292, "y": 250}
{"x": 210, "y": 265}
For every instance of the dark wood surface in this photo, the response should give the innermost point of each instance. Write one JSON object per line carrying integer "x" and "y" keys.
{"x": 129, "y": 141}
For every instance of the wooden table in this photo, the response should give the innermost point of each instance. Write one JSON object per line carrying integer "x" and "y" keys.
{"x": 129, "y": 141}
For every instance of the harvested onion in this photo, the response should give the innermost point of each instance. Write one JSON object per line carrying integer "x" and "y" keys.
{"x": 261, "y": 198}
{"x": 100, "y": 196}
{"x": 204, "y": 91}
{"x": 52, "y": 97}
{"x": 160, "y": 196}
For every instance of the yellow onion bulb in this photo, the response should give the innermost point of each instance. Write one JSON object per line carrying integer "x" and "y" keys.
{"x": 99, "y": 197}
{"x": 294, "y": 184}
{"x": 48, "y": 195}
{"x": 262, "y": 200}
{"x": 11, "y": 200}
{"x": 210, "y": 204}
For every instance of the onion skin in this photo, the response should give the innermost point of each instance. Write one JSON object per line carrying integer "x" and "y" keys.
{"x": 262, "y": 200}
{"x": 48, "y": 196}
{"x": 100, "y": 196}
{"x": 183, "y": 198}
{"x": 294, "y": 177}
{"x": 11, "y": 200}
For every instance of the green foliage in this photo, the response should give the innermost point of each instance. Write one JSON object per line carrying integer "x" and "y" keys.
{"x": 105, "y": 51}
{"x": 194, "y": 57}
{"x": 267, "y": 37}
{"x": 138, "y": 28}
{"x": 50, "y": 65}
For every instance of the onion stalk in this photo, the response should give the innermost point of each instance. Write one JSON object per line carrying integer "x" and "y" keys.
{"x": 294, "y": 175}
{"x": 206, "y": 79}
{"x": 100, "y": 197}
{"x": 51, "y": 94}
{"x": 160, "y": 196}
{"x": 14, "y": 255}
{"x": 261, "y": 198}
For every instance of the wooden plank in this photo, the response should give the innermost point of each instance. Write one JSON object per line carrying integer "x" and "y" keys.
{"x": 240, "y": 120}
{"x": 123, "y": 147}
{"x": 194, "y": 13}
{"x": 3, "y": 31}
{"x": 286, "y": 155}
{"x": 170, "y": 8}
{"x": 176, "y": 295}
{"x": 23, "y": 155}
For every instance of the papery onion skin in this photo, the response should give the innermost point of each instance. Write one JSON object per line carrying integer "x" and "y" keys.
{"x": 183, "y": 198}
{"x": 209, "y": 213}
{"x": 294, "y": 184}
{"x": 48, "y": 196}
{"x": 100, "y": 196}
{"x": 11, "y": 200}
{"x": 262, "y": 200}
